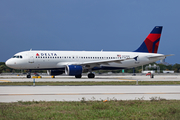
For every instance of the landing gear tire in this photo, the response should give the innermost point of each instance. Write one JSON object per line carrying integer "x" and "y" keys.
{"x": 91, "y": 75}
{"x": 78, "y": 76}
{"x": 28, "y": 76}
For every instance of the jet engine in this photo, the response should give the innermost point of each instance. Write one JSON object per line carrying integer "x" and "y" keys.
{"x": 55, "y": 72}
{"x": 73, "y": 70}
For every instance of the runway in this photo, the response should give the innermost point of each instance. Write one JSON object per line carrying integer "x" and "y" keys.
{"x": 84, "y": 78}
{"x": 77, "y": 93}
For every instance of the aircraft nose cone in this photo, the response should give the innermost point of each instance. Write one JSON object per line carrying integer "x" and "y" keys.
{"x": 10, "y": 63}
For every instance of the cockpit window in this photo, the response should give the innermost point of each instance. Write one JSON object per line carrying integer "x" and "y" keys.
{"x": 17, "y": 56}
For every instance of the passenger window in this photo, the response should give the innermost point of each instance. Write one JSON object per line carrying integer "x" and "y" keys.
{"x": 17, "y": 56}
{"x": 20, "y": 56}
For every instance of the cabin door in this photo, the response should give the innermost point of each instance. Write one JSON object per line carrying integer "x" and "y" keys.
{"x": 31, "y": 58}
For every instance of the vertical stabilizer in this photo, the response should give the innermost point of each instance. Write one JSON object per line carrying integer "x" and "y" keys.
{"x": 151, "y": 43}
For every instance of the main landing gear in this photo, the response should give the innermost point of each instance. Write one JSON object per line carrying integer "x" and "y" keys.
{"x": 90, "y": 75}
{"x": 78, "y": 76}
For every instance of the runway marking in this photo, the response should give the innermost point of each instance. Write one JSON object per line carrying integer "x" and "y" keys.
{"x": 127, "y": 80}
{"x": 168, "y": 77}
{"x": 86, "y": 94}
{"x": 120, "y": 78}
{"x": 5, "y": 81}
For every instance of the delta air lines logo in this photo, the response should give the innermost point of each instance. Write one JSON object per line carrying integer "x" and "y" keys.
{"x": 37, "y": 54}
{"x": 46, "y": 54}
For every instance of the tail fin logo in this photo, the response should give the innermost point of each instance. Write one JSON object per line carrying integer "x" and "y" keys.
{"x": 151, "y": 43}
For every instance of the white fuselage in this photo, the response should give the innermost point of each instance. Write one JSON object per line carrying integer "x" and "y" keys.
{"x": 59, "y": 59}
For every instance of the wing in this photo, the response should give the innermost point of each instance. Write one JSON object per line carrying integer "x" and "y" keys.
{"x": 91, "y": 64}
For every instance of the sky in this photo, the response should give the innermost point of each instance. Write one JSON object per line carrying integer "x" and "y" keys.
{"x": 87, "y": 25}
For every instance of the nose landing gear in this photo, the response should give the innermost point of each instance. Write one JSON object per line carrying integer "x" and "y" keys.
{"x": 29, "y": 74}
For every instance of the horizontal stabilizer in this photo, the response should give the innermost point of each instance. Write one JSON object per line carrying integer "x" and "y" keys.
{"x": 158, "y": 56}
{"x": 169, "y": 55}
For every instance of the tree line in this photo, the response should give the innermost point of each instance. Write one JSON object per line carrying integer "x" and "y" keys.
{"x": 175, "y": 68}
{"x": 6, "y": 69}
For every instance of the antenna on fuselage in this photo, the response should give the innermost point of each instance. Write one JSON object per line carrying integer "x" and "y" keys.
{"x": 31, "y": 49}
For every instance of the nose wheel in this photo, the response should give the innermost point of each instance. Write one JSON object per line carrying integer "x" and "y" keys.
{"x": 29, "y": 74}
{"x": 91, "y": 75}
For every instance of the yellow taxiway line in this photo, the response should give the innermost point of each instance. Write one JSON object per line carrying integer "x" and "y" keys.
{"x": 5, "y": 81}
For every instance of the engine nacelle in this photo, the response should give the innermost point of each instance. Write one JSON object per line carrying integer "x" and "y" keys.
{"x": 55, "y": 72}
{"x": 73, "y": 70}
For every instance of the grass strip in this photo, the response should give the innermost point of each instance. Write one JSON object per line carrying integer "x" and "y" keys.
{"x": 91, "y": 83}
{"x": 113, "y": 109}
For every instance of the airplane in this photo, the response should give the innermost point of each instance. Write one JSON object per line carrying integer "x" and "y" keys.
{"x": 74, "y": 63}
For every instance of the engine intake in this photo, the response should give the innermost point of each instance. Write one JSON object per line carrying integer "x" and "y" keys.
{"x": 55, "y": 72}
{"x": 73, "y": 70}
